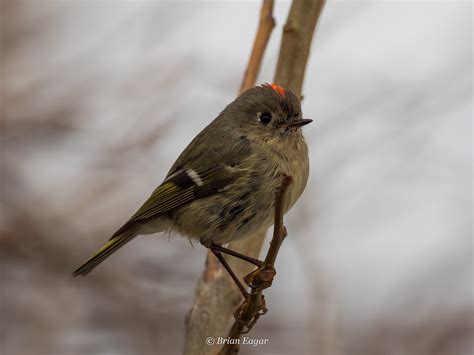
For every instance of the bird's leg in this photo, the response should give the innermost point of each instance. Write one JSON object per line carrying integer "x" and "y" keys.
{"x": 231, "y": 273}
{"x": 221, "y": 249}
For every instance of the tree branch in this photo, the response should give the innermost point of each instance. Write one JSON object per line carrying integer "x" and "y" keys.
{"x": 253, "y": 307}
{"x": 217, "y": 296}
{"x": 265, "y": 28}
{"x": 296, "y": 43}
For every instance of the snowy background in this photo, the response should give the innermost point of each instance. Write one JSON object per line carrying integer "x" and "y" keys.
{"x": 99, "y": 98}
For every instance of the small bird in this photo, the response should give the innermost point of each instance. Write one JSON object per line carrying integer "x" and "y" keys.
{"x": 222, "y": 186}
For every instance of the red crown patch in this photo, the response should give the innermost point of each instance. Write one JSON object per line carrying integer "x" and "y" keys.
{"x": 278, "y": 89}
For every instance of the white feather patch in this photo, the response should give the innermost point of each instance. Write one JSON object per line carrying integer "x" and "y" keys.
{"x": 194, "y": 176}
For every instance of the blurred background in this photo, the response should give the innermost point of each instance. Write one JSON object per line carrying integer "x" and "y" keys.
{"x": 100, "y": 97}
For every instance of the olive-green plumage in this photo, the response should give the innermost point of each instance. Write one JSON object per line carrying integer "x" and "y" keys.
{"x": 221, "y": 188}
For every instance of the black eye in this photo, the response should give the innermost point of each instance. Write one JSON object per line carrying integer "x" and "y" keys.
{"x": 265, "y": 118}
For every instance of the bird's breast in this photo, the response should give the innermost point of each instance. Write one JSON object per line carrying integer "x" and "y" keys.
{"x": 294, "y": 162}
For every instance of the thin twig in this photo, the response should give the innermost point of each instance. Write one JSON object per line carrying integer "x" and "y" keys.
{"x": 216, "y": 294}
{"x": 265, "y": 27}
{"x": 254, "y": 306}
{"x": 294, "y": 51}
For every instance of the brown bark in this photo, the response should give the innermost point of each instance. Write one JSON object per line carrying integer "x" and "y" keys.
{"x": 216, "y": 297}
{"x": 254, "y": 306}
{"x": 296, "y": 43}
{"x": 265, "y": 28}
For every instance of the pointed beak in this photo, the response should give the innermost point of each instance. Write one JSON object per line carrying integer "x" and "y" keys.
{"x": 301, "y": 122}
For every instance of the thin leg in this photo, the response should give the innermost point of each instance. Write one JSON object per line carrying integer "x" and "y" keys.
{"x": 216, "y": 247}
{"x": 231, "y": 272}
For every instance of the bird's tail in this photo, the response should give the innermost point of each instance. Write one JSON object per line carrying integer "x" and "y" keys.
{"x": 107, "y": 249}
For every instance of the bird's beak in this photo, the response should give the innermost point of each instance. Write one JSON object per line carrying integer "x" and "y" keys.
{"x": 301, "y": 122}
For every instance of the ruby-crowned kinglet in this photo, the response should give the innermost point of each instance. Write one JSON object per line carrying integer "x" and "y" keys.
{"x": 222, "y": 187}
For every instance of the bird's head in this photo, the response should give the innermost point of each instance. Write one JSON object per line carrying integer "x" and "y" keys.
{"x": 268, "y": 111}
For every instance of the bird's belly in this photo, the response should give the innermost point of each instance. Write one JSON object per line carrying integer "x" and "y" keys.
{"x": 222, "y": 219}
{"x": 246, "y": 207}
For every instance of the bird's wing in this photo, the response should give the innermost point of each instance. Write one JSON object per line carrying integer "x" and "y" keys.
{"x": 183, "y": 186}
{"x": 201, "y": 170}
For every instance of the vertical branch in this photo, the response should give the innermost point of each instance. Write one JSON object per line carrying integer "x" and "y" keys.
{"x": 216, "y": 295}
{"x": 265, "y": 28}
{"x": 294, "y": 51}
{"x": 296, "y": 43}
{"x": 253, "y": 307}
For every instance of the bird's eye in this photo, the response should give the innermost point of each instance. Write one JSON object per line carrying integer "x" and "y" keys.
{"x": 265, "y": 118}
